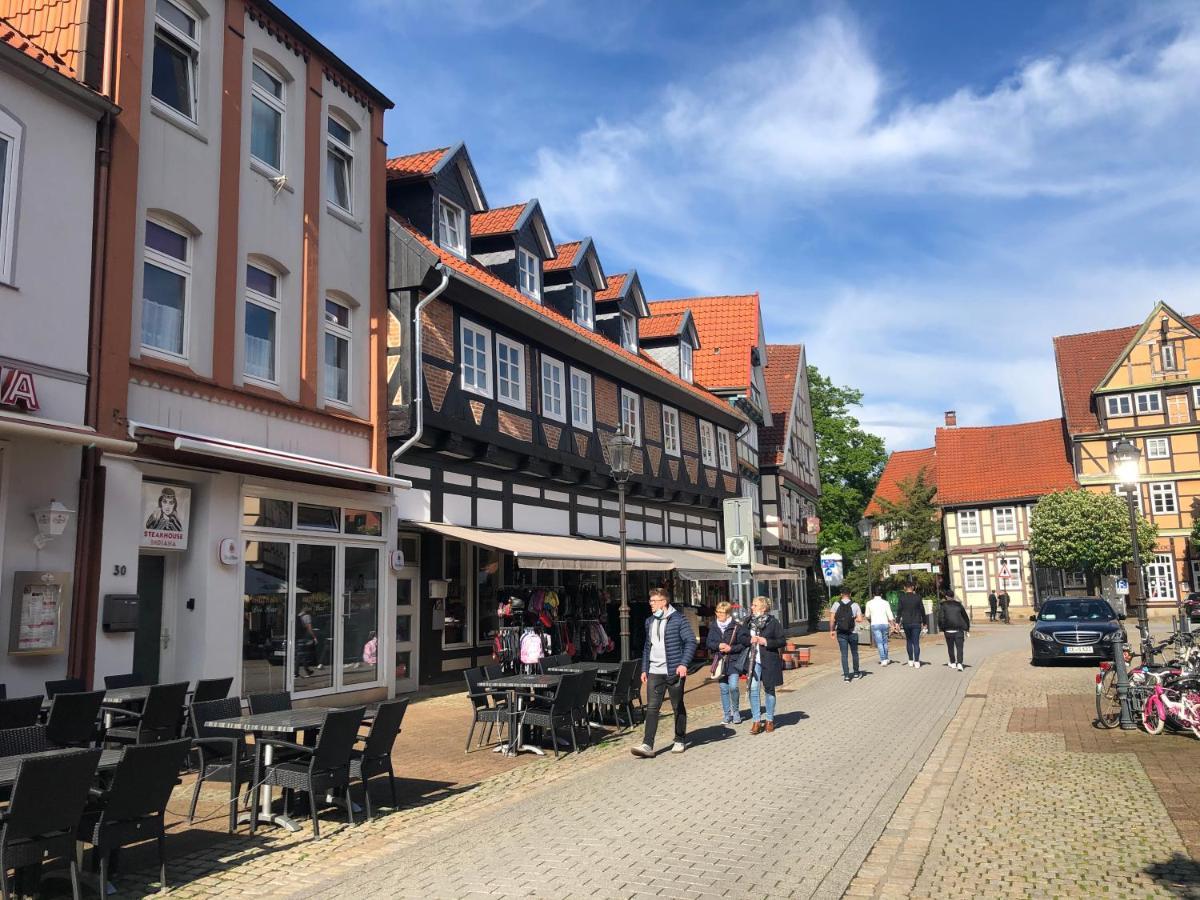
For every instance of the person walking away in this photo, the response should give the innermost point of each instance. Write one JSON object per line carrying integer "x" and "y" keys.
{"x": 766, "y": 666}
{"x": 668, "y": 651}
{"x": 1004, "y": 601}
{"x": 879, "y": 614}
{"x": 991, "y": 606}
{"x": 844, "y": 617}
{"x": 955, "y": 625}
{"x": 727, "y": 638}
{"x": 912, "y": 620}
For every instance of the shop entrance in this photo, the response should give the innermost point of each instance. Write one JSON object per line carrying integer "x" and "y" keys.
{"x": 147, "y": 639}
{"x": 407, "y": 619}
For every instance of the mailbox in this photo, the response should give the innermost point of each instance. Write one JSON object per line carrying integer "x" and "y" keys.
{"x": 120, "y": 612}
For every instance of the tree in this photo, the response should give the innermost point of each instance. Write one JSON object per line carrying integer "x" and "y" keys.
{"x": 1086, "y": 531}
{"x": 912, "y": 522}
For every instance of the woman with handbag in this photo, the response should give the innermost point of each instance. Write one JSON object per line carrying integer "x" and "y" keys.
{"x": 765, "y": 668}
{"x": 728, "y": 645}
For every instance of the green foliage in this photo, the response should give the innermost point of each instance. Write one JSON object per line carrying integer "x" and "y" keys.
{"x": 1195, "y": 538}
{"x": 912, "y": 522}
{"x": 1086, "y": 531}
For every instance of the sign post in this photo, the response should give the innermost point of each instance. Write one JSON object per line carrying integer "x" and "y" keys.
{"x": 739, "y": 544}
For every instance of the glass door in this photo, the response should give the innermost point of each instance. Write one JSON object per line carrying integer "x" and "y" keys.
{"x": 315, "y": 642}
{"x": 360, "y": 615}
{"x": 266, "y": 611}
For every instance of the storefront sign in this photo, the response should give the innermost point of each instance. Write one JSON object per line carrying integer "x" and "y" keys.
{"x": 17, "y": 389}
{"x": 166, "y": 509}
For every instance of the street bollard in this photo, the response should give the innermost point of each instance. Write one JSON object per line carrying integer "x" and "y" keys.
{"x": 1118, "y": 645}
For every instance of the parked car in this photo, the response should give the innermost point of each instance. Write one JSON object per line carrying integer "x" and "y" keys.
{"x": 1074, "y": 628}
{"x": 1191, "y": 607}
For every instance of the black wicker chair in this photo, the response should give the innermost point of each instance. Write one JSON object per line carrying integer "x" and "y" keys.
{"x": 30, "y": 739}
{"x": 65, "y": 686}
{"x": 551, "y": 712}
{"x": 133, "y": 807}
{"x": 614, "y": 695}
{"x": 375, "y": 757}
{"x": 72, "y": 719}
{"x": 132, "y": 679}
{"x": 158, "y": 720}
{"x": 486, "y": 708}
{"x": 326, "y": 769}
{"x": 211, "y": 689}
{"x": 583, "y": 686}
{"x": 20, "y": 712}
{"x": 48, "y": 797}
{"x": 265, "y": 703}
{"x": 224, "y": 756}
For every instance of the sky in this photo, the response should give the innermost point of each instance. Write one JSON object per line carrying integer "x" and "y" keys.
{"x": 923, "y": 193}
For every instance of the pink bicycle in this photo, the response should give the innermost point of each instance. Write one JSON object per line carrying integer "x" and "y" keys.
{"x": 1182, "y": 707}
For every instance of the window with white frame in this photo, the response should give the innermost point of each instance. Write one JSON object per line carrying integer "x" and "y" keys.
{"x": 530, "y": 272}
{"x": 1195, "y": 569}
{"x": 629, "y": 335}
{"x": 584, "y": 312}
{"x": 1137, "y": 494}
{"x": 1074, "y": 579}
{"x": 968, "y": 523}
{"x": 176, "y": 52}
{"x": 671, "y": 430}
{"x": 1160, "y": 577}
{"x": 10, "y": 151}
{"x": 553, "y": 387}
{"x": 974, "y": 574}
{"x": 1004, "y": 520}
{"x": 1162, "y": 497}
{"x": 1158, "y": 448}
{"x": 267, "y": 106}
{"x": 685, "y": 361}
{"x": 476, "y": 359}
{"x": 338, "y": 334}
{"x": 581, "y": 400}
{"x": 631, "y": 415}
{"x": 1196, "y": 397}
{"x": 1148, "y": 402}
{"x": 166, "y": 281}
{"x": 725, "y": 449}
{"x": 1118, "y": 405}
{"x": 452, "y": 233}
{"x": 1168, "y": 356}
{"x": 510, "y": 372}
{"x": 708, "y": 441}
{"x": 339, "y": 164}
{"x": 261, "y": 323}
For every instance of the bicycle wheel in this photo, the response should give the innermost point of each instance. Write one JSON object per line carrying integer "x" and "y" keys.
{"x": 1191, "y": 703}
{"x": 1152, "y": 718}
{"x": 1108, "y": 703}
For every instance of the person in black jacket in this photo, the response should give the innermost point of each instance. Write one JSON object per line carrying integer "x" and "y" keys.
{"x": 955, "y": 625}
{"x": 992, "y": 606}
{"x": 732, "y": 641}
{"x": 912, "y": 620}
{"x": 669, "y": 649}
{"x": 766, "y": 666}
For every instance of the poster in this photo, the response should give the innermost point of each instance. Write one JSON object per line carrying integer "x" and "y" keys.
{"x": 38, "y": 627}
{"x": 166, "y": 509}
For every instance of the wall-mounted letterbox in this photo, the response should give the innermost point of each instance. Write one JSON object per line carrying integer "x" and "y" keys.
{"x": 120, "y": 612}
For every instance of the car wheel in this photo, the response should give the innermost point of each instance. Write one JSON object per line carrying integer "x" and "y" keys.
{"x": 1034, "y": 661}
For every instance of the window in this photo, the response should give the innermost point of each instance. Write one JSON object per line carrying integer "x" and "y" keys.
{"x": 1158, "y": 448}
{"x": 1168, "y": 356}
{"x": 476, "y": 368}
{"x": 685, "y": 360}
{"x": 10, "y": 144}
{"x": 1004, "y": 520}
{"x": 724, "y": 450}
{"x": 1162, "y": 497}
{"x": 176, "y": 49}
{"x": 584, "y": 312}
{"x": 166, "y": 274}
{"x": 671, "y": 430}
{"x": 1075, "y": 580}
{"x": 266, "y": 117}
{"x": 629, "y": 333}
{"x": 581, "y": 400}
{"x": 708, "y": 441}
{"x": 1196, "y": 397}
{"x": 337, "y": 351}
{"x": 1149, "y": 402}
{"x": 974, "y": 574}
{"x": 968, "y": 523}
{"x": 1118, "y": 405}
{"x": 631, "y": 415}
{"x": 339, "y": 165}
{"x": 451, "y": 233}
{"x": 1177, "y": 409}
{"x": 510, "y": 372}
{"x": 530, "y": 271}
{"x": 1137, "y": 495}
{"x": 1160, "y": 578}
{"x": 262, "y": 314}
{"x": 553, "y": 378}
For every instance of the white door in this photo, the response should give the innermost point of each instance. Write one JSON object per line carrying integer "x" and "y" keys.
{"x": 408, "y": 619}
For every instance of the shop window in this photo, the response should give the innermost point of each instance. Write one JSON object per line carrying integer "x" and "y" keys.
{"x": 317, "y": 518}
{"x": 457, "y": 624}
{"x": 360, "y": 615}
{"x": 488, "y": 573}
{"x": 363, "y": 521}
{"x": 264, "y": 512}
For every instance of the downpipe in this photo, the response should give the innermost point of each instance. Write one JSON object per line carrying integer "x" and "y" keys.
{"x": 419, "y": 371}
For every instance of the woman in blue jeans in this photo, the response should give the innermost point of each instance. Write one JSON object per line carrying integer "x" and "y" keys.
{"x": 726, "y": 637}
{"x": 766, "y": 666}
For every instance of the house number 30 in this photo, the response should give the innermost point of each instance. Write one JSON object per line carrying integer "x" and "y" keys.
{"x": 119, "y": 570}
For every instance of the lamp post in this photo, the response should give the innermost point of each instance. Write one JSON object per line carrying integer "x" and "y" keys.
{"x": 864, "y": 529}
{"x": 935, "y": 545}
{"x": 620, "y": 458}
{"x": 1125, "y": 459}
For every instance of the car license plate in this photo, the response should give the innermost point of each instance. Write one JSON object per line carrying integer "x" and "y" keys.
{"x": 1087, "y": 649}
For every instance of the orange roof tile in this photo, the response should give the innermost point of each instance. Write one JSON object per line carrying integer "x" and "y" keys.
{"x": 10, "y": 35}
{"x": 564, "y": 256}
{"x": 728, "y": 330}
{"x": 1002, "y": 462}
{"x": 486, "y": 279}
{"x": 783, "y": 367}
{"x": 613, "y": 291}
{"x": 497, "y": 221}
{"x": 902, "y": 466}
{"x": 661, "y": 326}
{"x": 416, "y": 163}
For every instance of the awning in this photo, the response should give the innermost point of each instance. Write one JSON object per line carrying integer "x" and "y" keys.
{"x": 264, "y": 456}
{"x": 16, "y": 425}
{"x": 704, "y": 565}
{"x": 553, "y": 551}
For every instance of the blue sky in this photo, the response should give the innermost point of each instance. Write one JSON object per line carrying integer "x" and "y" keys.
{"x": 923, "y": 193}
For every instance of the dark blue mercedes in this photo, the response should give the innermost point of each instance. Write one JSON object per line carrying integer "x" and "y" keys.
{"x": 1073, "y": 628}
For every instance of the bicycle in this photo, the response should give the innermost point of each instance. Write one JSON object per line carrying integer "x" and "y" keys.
{"x": 1108, "y": 702}
{"x": 1182, "y": 707}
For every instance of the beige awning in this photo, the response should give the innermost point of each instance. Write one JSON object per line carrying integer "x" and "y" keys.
{"x": 16, "y": 425}
{"x": 553, "y": 551}
{"x": 705, "y": 565}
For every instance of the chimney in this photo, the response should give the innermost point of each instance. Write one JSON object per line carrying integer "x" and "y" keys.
{"x": 951, "y": 419}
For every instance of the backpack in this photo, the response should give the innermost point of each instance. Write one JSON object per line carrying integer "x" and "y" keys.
{"x": 532, "y": 650}
{"x": 843, "y": 618}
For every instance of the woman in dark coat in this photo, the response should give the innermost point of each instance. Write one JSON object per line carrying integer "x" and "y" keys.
{"x": 765, "y": 667}
{"x": 955, "y": 624}
{"x": 729, "y": 639}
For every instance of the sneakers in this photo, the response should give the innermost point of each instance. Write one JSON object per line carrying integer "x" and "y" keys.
{"x": 642, "y": 751}
{"x": 678, "y": 747}
{"x": 959, "y": 666}
{"x": 845, "y": 678}
{"x": 737, "y": 721}
{"x": 884, "y": 662}
{"x": 860, "y": 674}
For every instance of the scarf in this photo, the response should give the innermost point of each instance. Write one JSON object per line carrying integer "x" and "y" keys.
{"x": 724, "y": 626}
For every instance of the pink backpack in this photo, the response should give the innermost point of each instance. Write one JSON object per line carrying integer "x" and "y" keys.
{"x": 531, "y": 648}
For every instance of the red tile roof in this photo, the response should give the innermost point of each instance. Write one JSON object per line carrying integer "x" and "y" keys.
{"x": 613, "y": 291}
{"x": 564, "y": 256}
{"x": 497, "y": 221}
{"x": 1002, "y": 462}
{"x": 660, "y": 326}
{"x": 10, "y": 35}
{"x": 485, "y": 278}
{"x": 1084, "y": 359}
{"x": 902, "y": 466}
{"x": 783, "y": 368}
{"x": 728, "y": 330}
{"x": 416, "y": 163}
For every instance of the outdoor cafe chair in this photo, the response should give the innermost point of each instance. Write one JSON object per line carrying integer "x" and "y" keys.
{"x": 614, "y": 695}
{"x": 18, "y": 712}
{"x": 65, "y": 686}
{"x": 212, "y": 689}
{"x": 317, "y": 770}
{"x": 583, "y": 686}
{"x": 3, "y": 691}
{"x": 551, "y": 712}
{"x": 267, "y": 703}
{"x": 486, "y": 708}
{"x": 132, "y": 679}
{"x": 132, "y": 809}
{"x": 224, "y": 756}
{"x": 157, "y": 721}
{"x": 72, "y": 719}
{"x": 30, "y": 739}
{"x": 48, "y": 797}
{"x": 375, "y": 757}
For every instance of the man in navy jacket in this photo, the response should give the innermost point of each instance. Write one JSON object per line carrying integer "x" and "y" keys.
{"x": 670, "y": 647}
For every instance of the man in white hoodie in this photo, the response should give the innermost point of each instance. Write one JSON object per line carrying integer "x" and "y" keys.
{"x": 879, "y": 612}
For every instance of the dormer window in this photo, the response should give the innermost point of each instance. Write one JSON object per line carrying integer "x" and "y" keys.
{"x": 685, "y": 361}
{"x": 530, "y": 271}
{"x": 451, "y": 232}
{"x": 585, "y": 308}
{"x": 629, "y": 339}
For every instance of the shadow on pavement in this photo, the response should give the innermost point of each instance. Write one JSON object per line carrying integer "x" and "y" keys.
{"x": 783, "y": 720}
{"x": 1179, "y": 875}
{"x": 712, "y": 734}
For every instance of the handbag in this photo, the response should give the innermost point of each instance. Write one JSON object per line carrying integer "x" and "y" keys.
{"x": 717, "y": 671}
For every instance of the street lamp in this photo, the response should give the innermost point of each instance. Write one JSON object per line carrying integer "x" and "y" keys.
{"x": 864, "y": 529}
{"x": 620, "y": 459}
{"x": 1125, "y": 459}
{"x": 935, "y": 545}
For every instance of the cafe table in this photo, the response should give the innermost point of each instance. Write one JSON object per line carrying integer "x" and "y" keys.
{"x": 515, "y": 685}
{"x": 113, "y": 697}
{"x": 10, "y": 764}
{"x": 600, "y": 668}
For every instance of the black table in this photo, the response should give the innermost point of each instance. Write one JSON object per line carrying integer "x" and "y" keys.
{"x": 514, "y": 685}
{"x": 600, "y": 668}
{"x": 10, "y": 764}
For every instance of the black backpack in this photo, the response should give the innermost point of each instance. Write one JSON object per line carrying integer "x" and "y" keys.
{"x": 843, "y": 618}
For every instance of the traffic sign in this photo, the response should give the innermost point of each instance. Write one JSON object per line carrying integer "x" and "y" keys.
{"x": 1123, "y": 587}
